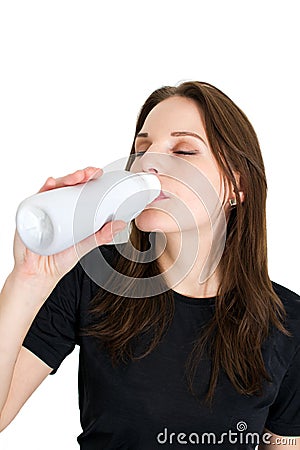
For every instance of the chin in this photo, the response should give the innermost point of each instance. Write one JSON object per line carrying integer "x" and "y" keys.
{"x": 155, "y": 220}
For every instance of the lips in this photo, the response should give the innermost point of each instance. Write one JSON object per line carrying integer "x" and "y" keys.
{"x": 161, "y": 196}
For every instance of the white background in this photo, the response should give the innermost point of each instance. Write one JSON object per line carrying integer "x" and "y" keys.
{"x": 73, "y": 77}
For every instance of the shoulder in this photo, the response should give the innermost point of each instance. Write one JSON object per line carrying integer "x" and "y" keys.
{"x": 290, "y": 300}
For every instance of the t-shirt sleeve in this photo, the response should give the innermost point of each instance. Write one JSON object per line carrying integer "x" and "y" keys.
{"x": 52, "y": 335}
{"x": 284, "y": 414}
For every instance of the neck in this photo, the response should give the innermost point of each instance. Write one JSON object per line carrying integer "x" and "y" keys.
{"x": 186, "y": 263}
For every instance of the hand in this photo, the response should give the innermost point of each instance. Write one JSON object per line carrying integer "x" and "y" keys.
{"x": 53, "y": 267}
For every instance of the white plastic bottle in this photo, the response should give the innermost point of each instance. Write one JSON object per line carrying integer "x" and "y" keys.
{"x": 51, "y": 221}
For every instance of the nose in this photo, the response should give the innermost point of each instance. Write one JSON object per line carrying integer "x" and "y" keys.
{"x": 153, "y": 161}
{"x": 151, "y": 170}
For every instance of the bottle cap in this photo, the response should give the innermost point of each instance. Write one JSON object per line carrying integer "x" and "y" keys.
{"x": 34, "y": 226}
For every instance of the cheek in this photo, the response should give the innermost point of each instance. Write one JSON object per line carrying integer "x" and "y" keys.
{"x": 193, "y": 200}
{"x": 197, "y": 211}
{"x": 199, "y": 205}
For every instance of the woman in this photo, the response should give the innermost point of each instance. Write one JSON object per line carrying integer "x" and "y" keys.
{"x": 196, "y": 345}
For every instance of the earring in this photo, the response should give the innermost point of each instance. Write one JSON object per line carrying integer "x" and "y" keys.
{"x": 232, "y": 202}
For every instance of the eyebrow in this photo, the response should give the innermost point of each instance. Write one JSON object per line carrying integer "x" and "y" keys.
{"x": 176, "y": 134}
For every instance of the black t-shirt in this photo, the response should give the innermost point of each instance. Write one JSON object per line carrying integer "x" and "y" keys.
{"x": 146, "y": 404}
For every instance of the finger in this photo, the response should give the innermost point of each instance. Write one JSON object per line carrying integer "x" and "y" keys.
{"x": 49, "y": 184}
{"x": 108, "y": 231}
{"x": 94, "y": 172}
{"x": 101, "y": 237}
{"x": 77, "y": 177}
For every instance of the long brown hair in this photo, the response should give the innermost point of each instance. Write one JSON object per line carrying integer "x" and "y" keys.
{"x": 246, "y": 307}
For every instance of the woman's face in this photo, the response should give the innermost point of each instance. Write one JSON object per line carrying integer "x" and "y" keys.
{"x": 173, "y": 145}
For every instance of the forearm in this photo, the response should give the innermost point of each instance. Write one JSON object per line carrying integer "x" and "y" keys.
{"x": 20, "y": 301}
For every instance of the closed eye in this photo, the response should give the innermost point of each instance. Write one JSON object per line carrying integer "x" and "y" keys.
{"x": 178, "y": 152}
{"x": 182, "y": 152}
